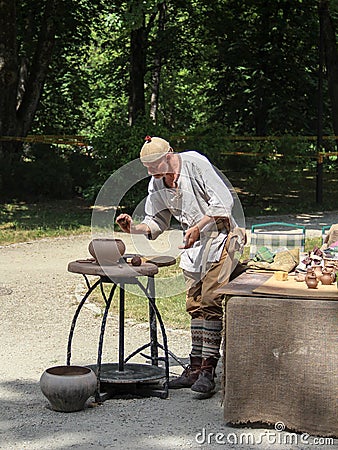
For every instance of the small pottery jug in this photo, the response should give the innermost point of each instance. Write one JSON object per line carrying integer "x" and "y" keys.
{"x": 326, "y": 278}
{"x": 309, "y": 271}
{"x": 68, "y": 387}
{"x": 107, "y": 251}
{"x": 318, "y": 271}
{"x": 330, "y": 268}
{"x": 311, "y": 280}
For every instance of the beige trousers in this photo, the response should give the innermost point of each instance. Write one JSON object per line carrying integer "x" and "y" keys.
{"x": 201, "y": 300}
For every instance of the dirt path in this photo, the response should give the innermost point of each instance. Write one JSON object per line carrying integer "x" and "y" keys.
{"x": 38, "y": 299}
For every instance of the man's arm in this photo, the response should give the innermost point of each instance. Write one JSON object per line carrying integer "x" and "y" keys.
{"x": 193, "y": 233}
{"x": 125, "y": 222}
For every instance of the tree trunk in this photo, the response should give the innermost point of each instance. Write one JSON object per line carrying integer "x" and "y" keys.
{"x": 331, "y": 60}
{"x": 21, "y": 84}
{"x": 156, "y": 76}
{"x": 137, "y": 73}
{"x": 8, "y": 68}
{"x": 38, "y": 69}
{"x": 9, "y": 151}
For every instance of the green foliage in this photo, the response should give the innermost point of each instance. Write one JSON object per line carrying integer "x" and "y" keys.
{"x": 250, "y": 67}
{"x": 227, "y": 68}
{"x": 116, "y": 145}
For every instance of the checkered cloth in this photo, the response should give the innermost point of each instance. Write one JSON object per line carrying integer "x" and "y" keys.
{"x": 264, "y": 254}
{"x": 276, "y": 239}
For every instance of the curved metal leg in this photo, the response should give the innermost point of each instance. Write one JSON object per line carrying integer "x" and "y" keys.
{"x": 135, "y": 352}
{"x": 76, "y": 315}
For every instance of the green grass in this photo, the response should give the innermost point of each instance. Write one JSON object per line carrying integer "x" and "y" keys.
{"x": 21, "y": 221}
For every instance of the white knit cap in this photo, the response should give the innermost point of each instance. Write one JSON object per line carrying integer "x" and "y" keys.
{"x": 154, "y": 148}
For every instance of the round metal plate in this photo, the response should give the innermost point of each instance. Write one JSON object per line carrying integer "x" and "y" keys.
{"x": 132, "y": 373}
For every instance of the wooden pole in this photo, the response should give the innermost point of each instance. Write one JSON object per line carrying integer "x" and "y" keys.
{"x": 320, "y": 159}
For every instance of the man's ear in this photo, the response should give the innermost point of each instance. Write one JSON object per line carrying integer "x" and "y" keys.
{"x": 168, "y": 156}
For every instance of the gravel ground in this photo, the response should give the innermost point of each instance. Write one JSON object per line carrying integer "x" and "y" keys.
{"x": 38, "y": 299}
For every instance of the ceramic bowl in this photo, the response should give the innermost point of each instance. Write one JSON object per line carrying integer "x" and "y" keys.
{"x": 68, "y": 387}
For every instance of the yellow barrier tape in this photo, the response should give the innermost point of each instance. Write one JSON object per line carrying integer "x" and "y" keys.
{"x": 49, "y": 139}
{"x": 319, "y": 155}
{"x": 263, "y": 138}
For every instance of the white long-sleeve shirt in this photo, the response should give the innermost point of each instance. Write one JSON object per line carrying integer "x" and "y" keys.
{"x": 200, "y": 191}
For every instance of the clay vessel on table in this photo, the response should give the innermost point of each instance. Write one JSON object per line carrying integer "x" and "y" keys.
{"x": 326, "y": 278}
{"x": 107, "y": 251}
{"x": 311, "y": 280}
{"x": 67, "y": 388}
{"x": 318, "y": 271}
{"x": 331, "y": 270}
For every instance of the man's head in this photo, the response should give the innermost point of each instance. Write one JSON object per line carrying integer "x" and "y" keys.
{"x": 153, "y": 155}
{"x": 153, "y": 149}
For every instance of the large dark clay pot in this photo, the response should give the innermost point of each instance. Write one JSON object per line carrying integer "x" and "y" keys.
{"x": 68, "y": 387}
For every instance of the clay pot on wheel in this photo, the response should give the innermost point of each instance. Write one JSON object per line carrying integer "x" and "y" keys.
{"x": 107, "y": 251}
{"x": 67, "y": 388}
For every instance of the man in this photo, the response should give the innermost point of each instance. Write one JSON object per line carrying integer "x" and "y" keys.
{"x": 187, "y": 187}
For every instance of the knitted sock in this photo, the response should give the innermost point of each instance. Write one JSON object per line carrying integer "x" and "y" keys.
{"x": 212, "y": 337}
{"x": 196, "y": 337}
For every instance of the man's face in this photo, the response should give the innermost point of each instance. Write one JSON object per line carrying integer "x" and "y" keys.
{"x": 157, "y": 168}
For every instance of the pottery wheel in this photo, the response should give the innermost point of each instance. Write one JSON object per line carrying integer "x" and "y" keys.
{"x": 159, "y": 261}
{"x": 132, "y": 373}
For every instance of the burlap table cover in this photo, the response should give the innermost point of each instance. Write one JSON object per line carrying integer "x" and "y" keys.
{"x": 281, "y": 363}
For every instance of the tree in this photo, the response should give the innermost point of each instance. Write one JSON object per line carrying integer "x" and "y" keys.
{"x": 158, "y": 61}
{"x": 265, "y": 77}
{"x": 21, "y": 79}
{"x": 34, "y": 37}
{"x": 331, "y": 58}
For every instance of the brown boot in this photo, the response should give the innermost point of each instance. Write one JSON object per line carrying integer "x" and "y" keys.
{"x": 205, "y": 383}
{"x": 189, "y": 375}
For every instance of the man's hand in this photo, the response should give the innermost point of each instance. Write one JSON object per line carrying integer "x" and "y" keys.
{"x": 124, "y": 221}
{"x": 191, "y": 236}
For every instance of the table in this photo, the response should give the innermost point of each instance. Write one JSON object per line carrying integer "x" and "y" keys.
{"x": 280, "y": 354}
{"x": 124, "y": 374}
